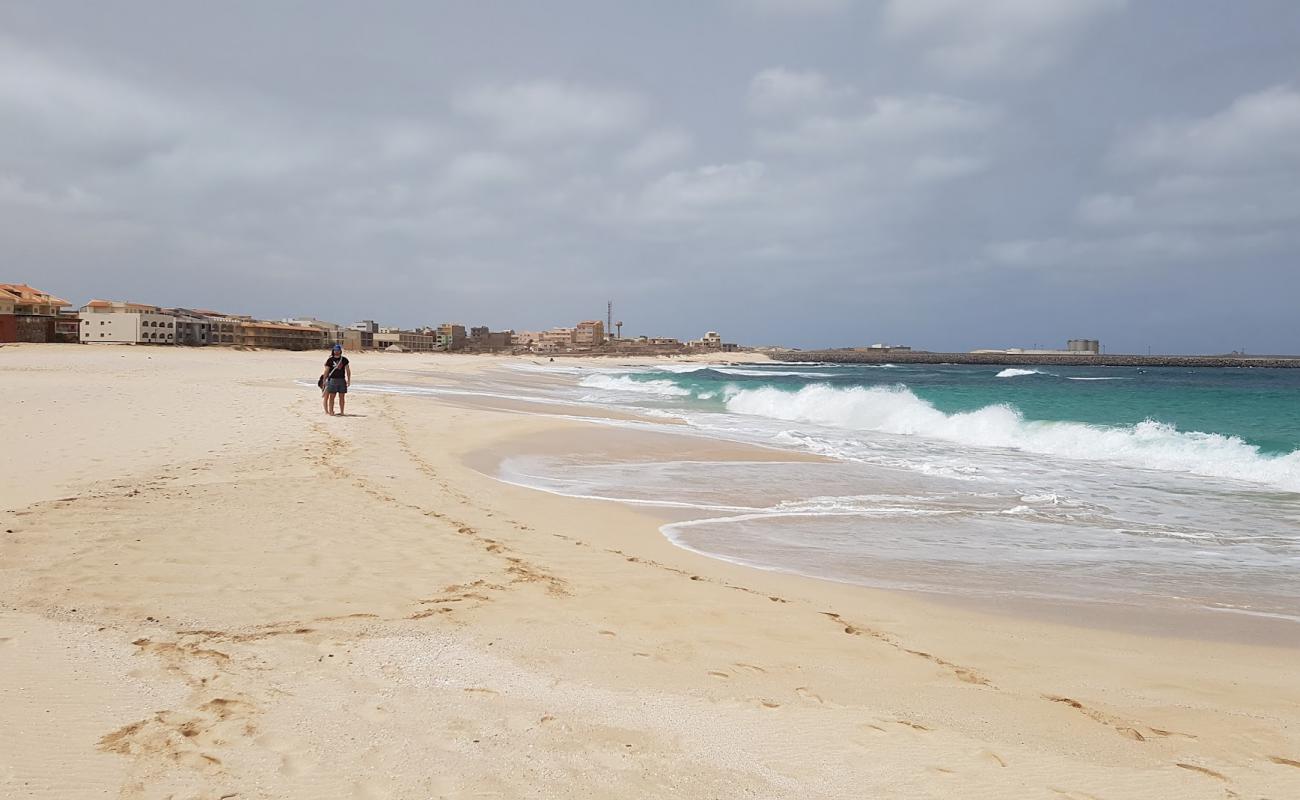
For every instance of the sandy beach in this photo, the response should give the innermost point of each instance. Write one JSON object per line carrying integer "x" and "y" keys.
{"x": 212, "y": 590}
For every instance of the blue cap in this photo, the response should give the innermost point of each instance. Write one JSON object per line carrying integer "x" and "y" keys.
{"x": 338, "y": 347}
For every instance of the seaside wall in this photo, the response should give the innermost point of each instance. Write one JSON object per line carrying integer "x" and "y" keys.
{"x": 1013, "y": 359}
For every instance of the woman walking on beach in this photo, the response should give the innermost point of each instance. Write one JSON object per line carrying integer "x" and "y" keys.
{"x": 338, "y": 376}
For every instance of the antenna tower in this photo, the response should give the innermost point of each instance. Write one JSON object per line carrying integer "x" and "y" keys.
{"x": 609, "y": 317}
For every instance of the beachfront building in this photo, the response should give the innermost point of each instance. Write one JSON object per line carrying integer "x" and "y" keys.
{"x": 589, "y": 334}
{"x": 647, "y": 345}
{"x": 450, "y": 336}
{"x": 192, "y": 328}
{"x": 483, "y": 339}
{"x": 121, "y": 322}
{"x": 413, "y": 341}
{"x": 331, "y": 332}
{"x": 360, "y": 335}
{"x": 554, "y": 340}
{"x": 279, "y": 336}
{"x": 711, "y": 342}
{"x": 29, "y": 315}
{"x": 224, "y": 329}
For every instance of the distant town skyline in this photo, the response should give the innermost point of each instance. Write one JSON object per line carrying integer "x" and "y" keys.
{"x": 815, "y": 173}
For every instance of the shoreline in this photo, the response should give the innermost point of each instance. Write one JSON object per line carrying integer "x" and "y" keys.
{"x": 1204, "y": 624}
{"x": 228, "y": 592}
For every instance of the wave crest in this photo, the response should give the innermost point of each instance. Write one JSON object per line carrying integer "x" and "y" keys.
{"x": 1149, "y": 444}
{"x": 622, "y": 383}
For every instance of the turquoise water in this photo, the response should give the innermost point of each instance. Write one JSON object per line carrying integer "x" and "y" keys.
{"x": 1259, "y": 406}
{"x": 1167, "y": 488}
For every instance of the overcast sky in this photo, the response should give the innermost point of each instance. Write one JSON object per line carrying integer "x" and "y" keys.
{"x": 942, "y": 173}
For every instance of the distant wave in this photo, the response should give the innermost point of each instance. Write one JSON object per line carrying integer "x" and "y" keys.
{"x": 1099, "y": 379}
{"x": 1012, "y": 372}
{"x": 1149, "y": 444}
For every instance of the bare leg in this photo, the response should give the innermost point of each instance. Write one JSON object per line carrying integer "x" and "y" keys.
{"x": 324, "y": 401}
{"x": 329, "y": 403}
{"x": 343, "y": 402}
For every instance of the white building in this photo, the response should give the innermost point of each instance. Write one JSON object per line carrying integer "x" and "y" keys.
{"x": 117, "y": 322}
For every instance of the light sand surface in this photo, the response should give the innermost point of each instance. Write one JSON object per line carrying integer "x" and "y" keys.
{"x": 209, "y": 589}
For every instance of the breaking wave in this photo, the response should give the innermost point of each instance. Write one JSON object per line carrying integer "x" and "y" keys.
{"x": 623, "y": 383}
{"x": 1149, "y": 444}
{"x": 1012, "y": 372}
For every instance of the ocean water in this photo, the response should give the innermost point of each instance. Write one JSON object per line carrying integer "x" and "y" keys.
{"x": 1145, "y": 487}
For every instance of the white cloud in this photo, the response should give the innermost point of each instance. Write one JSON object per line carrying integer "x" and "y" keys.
{"x": 1256, "y": 131}
{"x": 656, "y": 149}
{"x": 778, "y": 90}
{"x": 689, "y": 194}
{"x": 1222, "y": 185}
{"x": 71, "y": 107}
{"x": 978, "y": 38}
{"x": 1237, "y": 168}
{"x": 892, "y": 120}
{"x": 550, "y": 111}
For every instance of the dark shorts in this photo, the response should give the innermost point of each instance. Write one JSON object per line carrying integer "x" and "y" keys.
{"x": 336, "y": 386}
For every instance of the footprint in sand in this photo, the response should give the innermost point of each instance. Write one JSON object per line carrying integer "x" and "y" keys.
{"x": 807, "y": 694}
{"x": 750, "y": 667}
{"x": 916, "y": 726}
{"x": 1203, "y": 770}
{"x": 993, "y": 757}
{"x": 607, "y": 633}
{"x": 720, "y": 675}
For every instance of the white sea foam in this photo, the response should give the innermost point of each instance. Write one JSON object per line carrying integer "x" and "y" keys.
{"x": 770, "y": 373}
{"x": 623, "y": 383}
{"x": 1149, "y": 444}
{"x": 1012, "y": 372}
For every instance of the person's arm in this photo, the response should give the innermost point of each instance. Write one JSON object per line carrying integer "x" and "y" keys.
{"x": 347, "y": 374}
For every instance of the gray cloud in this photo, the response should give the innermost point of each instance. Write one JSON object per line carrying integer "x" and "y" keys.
{"x": 949, "y": 174}
{"x": 993, "y": 37}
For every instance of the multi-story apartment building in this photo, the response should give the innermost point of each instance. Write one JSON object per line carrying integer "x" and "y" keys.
{"x": 481, "y": 338}
{"x": 526, "y": 338}
{"x": 589, "y": 334}
{"x": 360, "y": 335}
{"x": 120, "y": 322}
{"x": 450, "y": 336}
{"x": 332, "y": 333}
{"x": 29, "y": 315}
{"x": 278, "y": 336}
{"x": 713, "y": 342}
{"x": 192, "y": 328}
{"x": 224, "y": 329}
{"x": 413, "y": 341}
